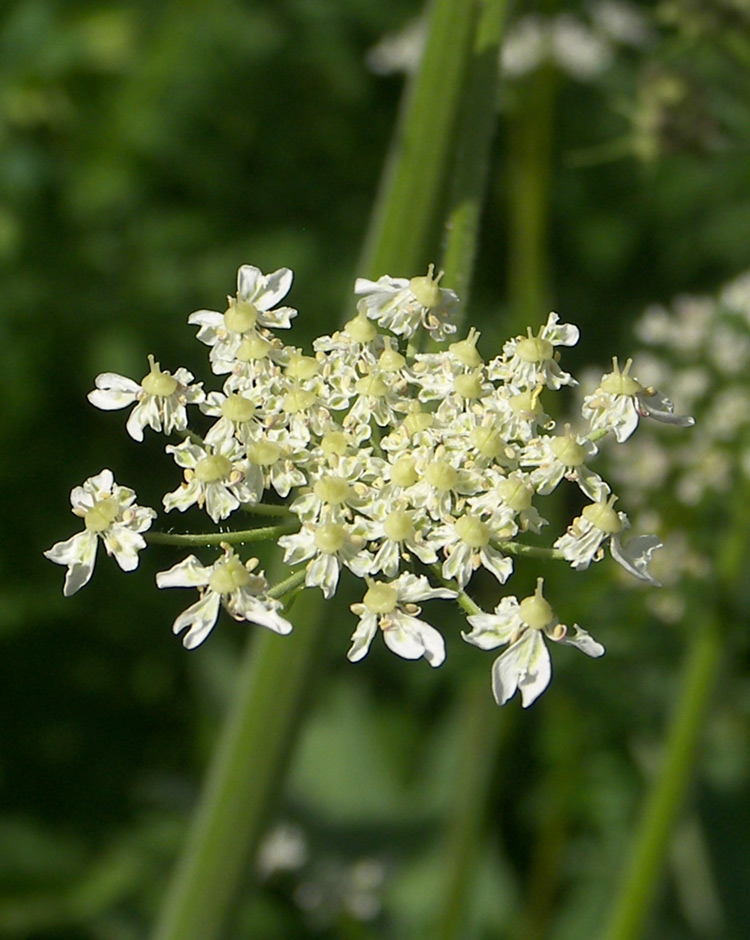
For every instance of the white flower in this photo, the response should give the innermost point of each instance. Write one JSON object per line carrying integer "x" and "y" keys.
{"x": 328, "y": 545}
{"x": 402, "y": 306}
{"x": 599, "y": 521}
{"x": 621, "y": 400}
{"x": 563, "y": 456}
{"x": 252, "y": 307}
{"x": 390, "y": 606}
{"x": 227, "y": 583}
{"x": 161, "y": 398}
{"x": 525, "y": 666}
{"x": 215, "y": 477}
{"x": 530, "y": 361}
{"x": 465, "y": 542}
{"x": 109, "y": 513}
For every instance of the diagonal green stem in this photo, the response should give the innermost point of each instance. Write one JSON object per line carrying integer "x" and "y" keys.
{"x": 403, "y": 229}
{"x": 476, "y": 128}
{"x": 244, "y": 779}
{"x": 664, "y": 802}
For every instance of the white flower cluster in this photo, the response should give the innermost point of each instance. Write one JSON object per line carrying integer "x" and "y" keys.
{"x": 410, "y": 470}
{"x": 700, "y": 347}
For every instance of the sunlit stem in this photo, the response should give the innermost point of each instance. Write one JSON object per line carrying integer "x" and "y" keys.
{"x": 240, "y": 537}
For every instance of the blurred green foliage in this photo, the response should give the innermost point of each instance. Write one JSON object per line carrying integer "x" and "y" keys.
{"x": 146, "y": 150}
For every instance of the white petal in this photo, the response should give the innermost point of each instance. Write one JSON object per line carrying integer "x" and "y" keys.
{"x": 500, "y": 565}
{"x": 124, "y": 544}
{"x": 362, "y": 637}
{"x": 660, "y": 408}
{"x": 584, "y": 642}
{"x": 525, "y": 666}
{"x": 493, "y": 630}
{"x": 636, "y": 555}
{"x": 186, "y": 573}
{"x": 79, "y": 554}
{"x": 411, "y": 639}
{"x": 413, "y": 588}
{"x": 250, "y": 607}
{"x": 200, "y": 617}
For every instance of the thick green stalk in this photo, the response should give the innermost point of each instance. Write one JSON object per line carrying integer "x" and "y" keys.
{"x": 245, "y": 773}
{"x": 483, "y": 728}
{"x": 530, "y": 144}
{"x": 633, "y": 901}
{"x": 243, "y": 780}
{"x": 475, "y": 132}
{"x": 664, "y": 802}
{"x": 405, "y": 223}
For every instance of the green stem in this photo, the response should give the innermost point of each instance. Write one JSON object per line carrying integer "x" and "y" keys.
{"x": 476, "y": 129}
{"x": 482, "y": 729}
{"x": 238, "y": 537}
{"x": 663, "y": 804}
{"x": 243, "y": 781}
{"x": 530, "y": 171}
{"x": 402, "y": 234}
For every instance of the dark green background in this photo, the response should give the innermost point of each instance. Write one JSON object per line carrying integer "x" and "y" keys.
{"x": 146, "y": 151}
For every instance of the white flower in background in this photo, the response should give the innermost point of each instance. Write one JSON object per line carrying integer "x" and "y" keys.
{"x": 214, "y": 477}
{"x": 402, "y": 305}
{"x": 251, "y": 309}
{"x": 530, "y": 361}
{"x": 390, "y": 607}
{"x": 599, "y": 521}
{"x": 621, "y": 400}
{"x": 161, "y": 398}
{"x": 525, "y": 666}
{"x": 227, "y": 583}
{"x": 109, "y": 513}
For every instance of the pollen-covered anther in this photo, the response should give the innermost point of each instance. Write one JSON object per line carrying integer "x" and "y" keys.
{"x": 228, "y": 575}
{"x": 240, "y": 316}
{"x": 380, "y": 598}
{"x": 620, "y": 382}
{"x": 101, "y": 515}
{"x": 332, "y": 490}
{"x": 604, "y": 516}
{"x": 425, "y": 288}
{"x": 472, "y": 531}
{"x": 158, "y": 383}
{"x": 465, "y": 350}
{"x": 237, "y": 408}
{"x": 534, "y": 348}
{"x": 469, "y": 385}
{"x": 263, "y": 453}
{"x": 330, "y": 538}
{"x": 534, "y": 610}
{"x": 567, "y": 449}
{"x": 213, "y": 468}
{"x": 441, "y": 475}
